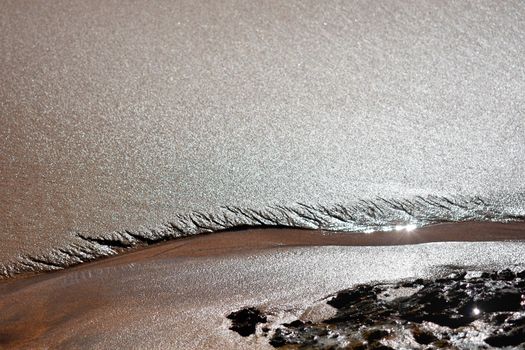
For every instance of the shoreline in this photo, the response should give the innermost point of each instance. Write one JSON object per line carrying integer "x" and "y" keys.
{"x": 178, "y": 294}
{"x": 55, "y": 251}
{"x": 252, "y": 239}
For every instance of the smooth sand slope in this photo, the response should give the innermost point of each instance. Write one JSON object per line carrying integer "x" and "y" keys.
{"x": 129, "y": 116}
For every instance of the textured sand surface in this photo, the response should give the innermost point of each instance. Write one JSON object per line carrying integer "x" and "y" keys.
{"x": 130, "y": 116}
{"x": 177, "y": 295}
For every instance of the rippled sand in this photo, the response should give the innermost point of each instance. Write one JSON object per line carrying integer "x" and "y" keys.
{"x": 126, "y": 116}
{"x": 124, "y": 124}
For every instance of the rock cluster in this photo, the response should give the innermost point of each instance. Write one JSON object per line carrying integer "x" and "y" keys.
{"x": 464, "y": 310}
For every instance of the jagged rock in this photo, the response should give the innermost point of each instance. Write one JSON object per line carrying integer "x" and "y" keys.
{"x": 245, "y": 321}
{"x": 458, "y": 311}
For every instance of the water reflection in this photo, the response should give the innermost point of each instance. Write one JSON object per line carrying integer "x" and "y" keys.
{"x": 408, "y": 228}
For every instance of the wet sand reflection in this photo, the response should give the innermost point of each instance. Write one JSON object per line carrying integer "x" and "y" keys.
{"x": 178, "y": 293}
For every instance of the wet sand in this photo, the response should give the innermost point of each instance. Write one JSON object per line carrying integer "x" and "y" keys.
{"x": 177, "y": 294}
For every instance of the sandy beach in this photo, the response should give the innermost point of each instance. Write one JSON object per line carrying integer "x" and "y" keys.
{"x": 177, "y": 294}
{"x": 164, "y": 164}
{"x": 129, "y": 116}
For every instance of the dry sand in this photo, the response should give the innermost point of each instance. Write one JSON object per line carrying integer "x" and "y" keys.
{"x": 122, "y": 115}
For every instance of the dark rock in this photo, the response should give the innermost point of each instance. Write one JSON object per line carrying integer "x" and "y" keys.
{"x": 279, "y": 339}
{"x": 245, "y": 320}
{"x": 513, "y": 337}
{"x": 366, "y": 318}
{"x": 378, "y": 346}
{"x": 357, "y": 345}
{"x": 422, "y": 336}
{"x": 296, "y": 324}
{"x": 506, "y": 275}
{"x": 350, "y": 296}
{"x": 500, "y": 318}
{"x": 518, "y": 321}
{"x": 375, "y": 335}
{"x": 504, "y": 299}
{"x": 442, "y": 344}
